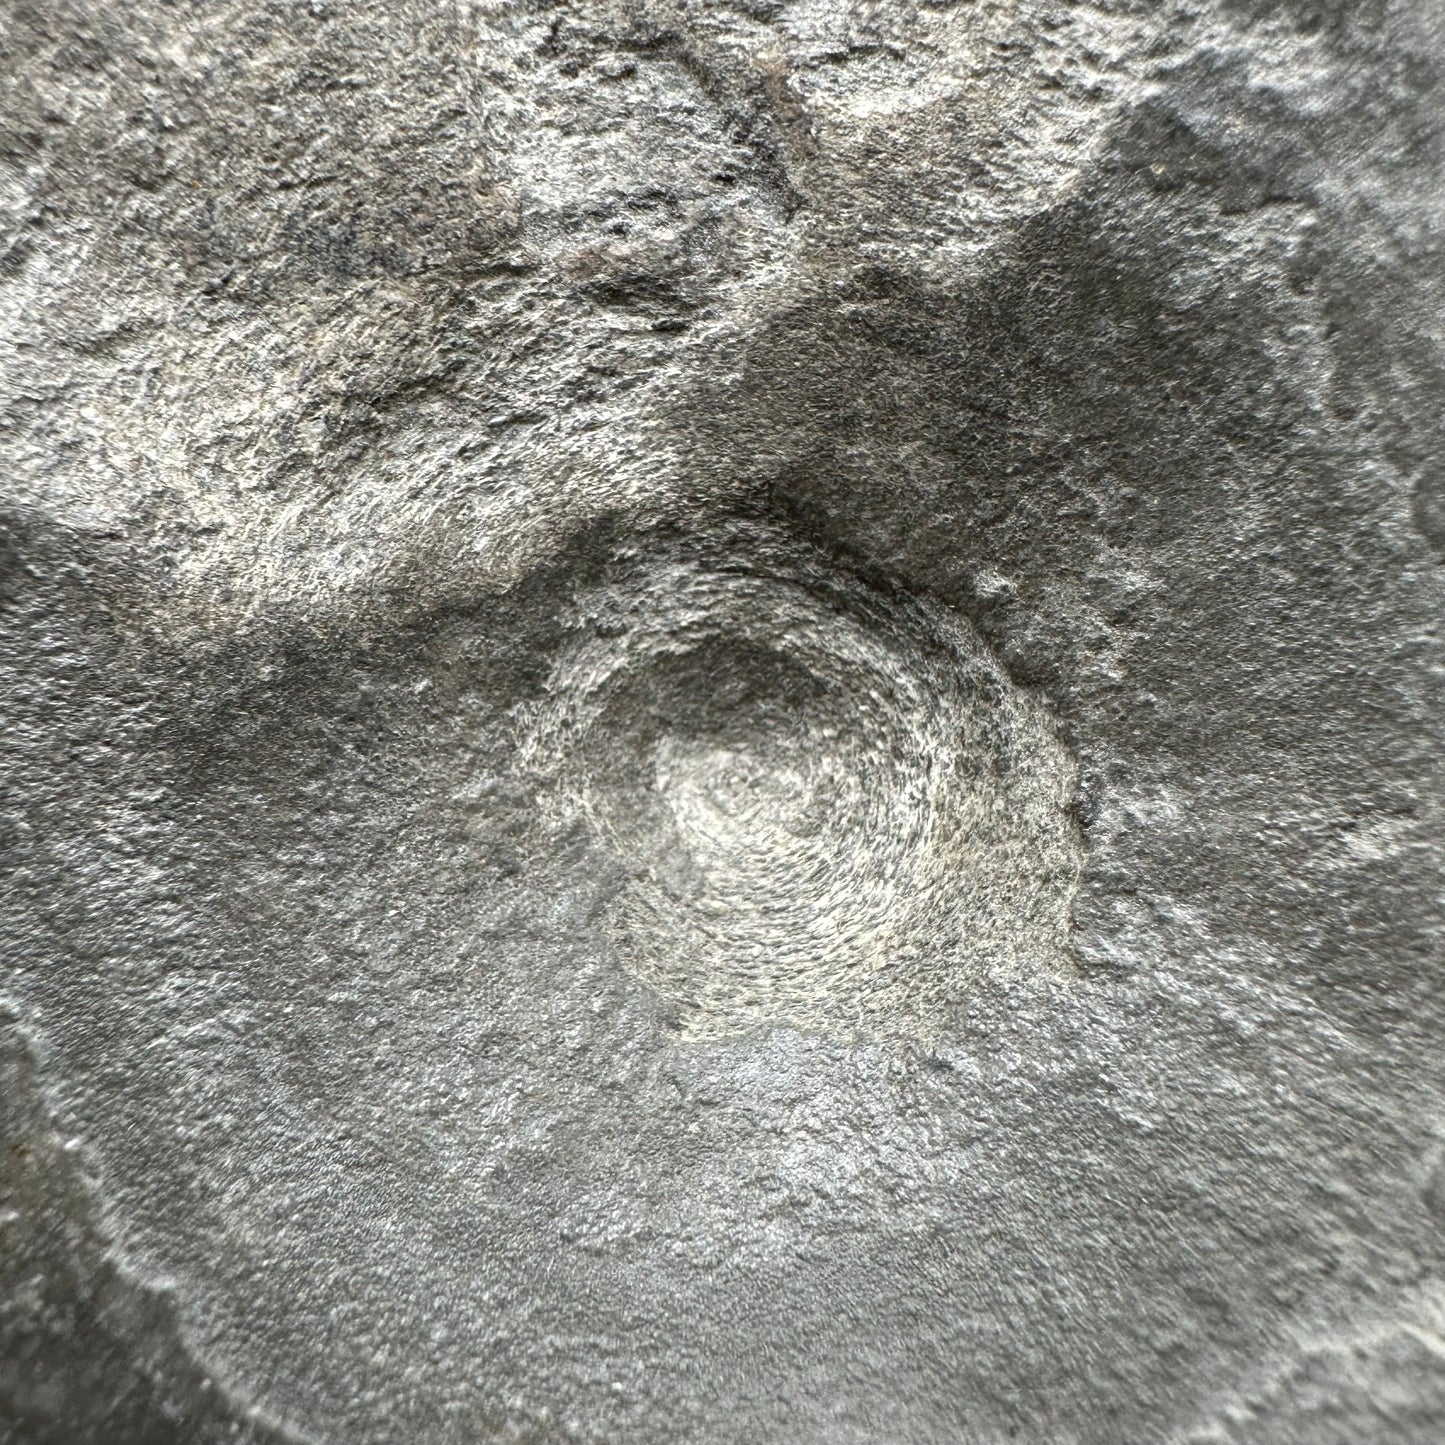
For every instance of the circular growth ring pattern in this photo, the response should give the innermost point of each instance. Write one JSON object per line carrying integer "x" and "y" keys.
{"x": 832, "y": 807}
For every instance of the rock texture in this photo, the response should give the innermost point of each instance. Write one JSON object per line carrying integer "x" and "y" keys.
{"x": 722, "y": 722}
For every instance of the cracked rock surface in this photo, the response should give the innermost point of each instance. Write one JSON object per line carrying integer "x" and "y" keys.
{"x": 722, "y": 722}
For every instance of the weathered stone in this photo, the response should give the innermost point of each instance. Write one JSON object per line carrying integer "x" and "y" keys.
{"x": 722, "y": 722}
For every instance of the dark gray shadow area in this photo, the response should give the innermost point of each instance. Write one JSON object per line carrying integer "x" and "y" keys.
{"x": 88, "y": 1355}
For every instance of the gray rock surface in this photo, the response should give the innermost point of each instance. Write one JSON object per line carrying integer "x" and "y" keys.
{"x": 722, "y": 722}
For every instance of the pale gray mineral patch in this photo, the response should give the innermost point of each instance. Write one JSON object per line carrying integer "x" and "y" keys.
{"x": 722, "y": 722}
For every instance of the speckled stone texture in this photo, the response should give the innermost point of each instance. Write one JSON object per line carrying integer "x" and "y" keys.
{"x": 722, "y": 722}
